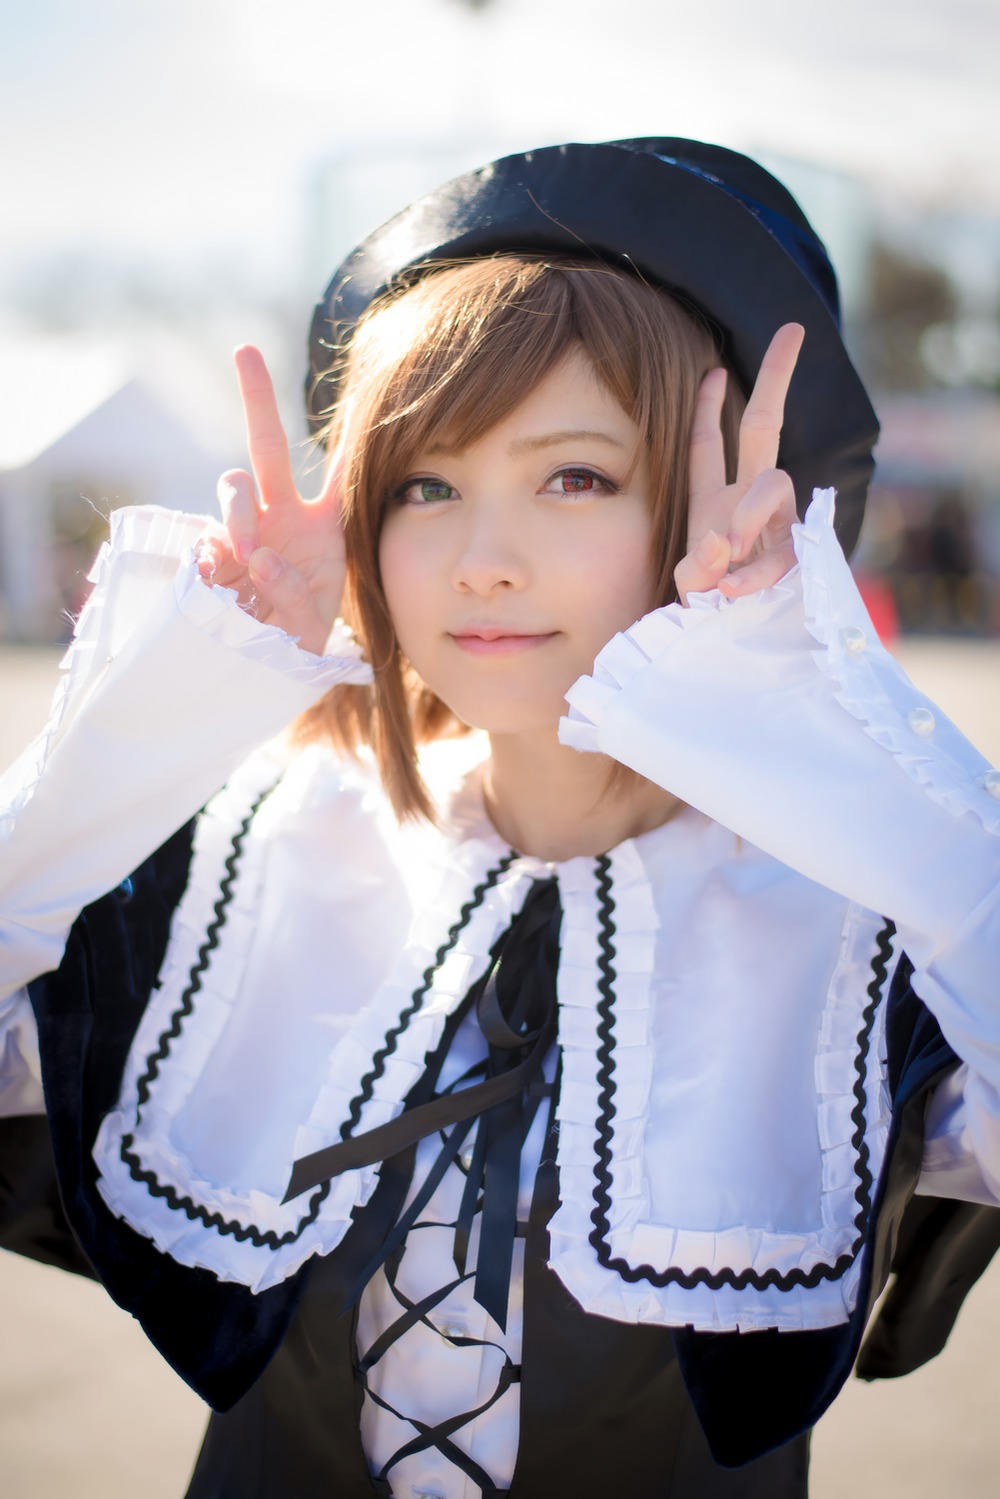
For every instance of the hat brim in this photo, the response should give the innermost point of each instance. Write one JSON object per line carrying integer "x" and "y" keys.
{"x": 676, "y": 227}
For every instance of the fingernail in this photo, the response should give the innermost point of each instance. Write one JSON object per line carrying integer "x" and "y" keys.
{"x": 708, "y": 548}
{"x": 267, "y": 565}
{"x": 245, "y": 550}
{"x": 735, "y": 546}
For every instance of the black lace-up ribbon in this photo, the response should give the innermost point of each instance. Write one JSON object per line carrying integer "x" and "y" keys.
{"x": 515, "y": 1004}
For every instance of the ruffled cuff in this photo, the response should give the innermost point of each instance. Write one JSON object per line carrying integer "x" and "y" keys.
{"x": 782, "y": 717}
{"x": 961, "y": 1138}
{"x": 167, "y": 686}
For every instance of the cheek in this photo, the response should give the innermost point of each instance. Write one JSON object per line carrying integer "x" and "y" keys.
{"x": 407, "y": 585}
{"x": 396, "y": 567}
{"x": 622, "y": 577}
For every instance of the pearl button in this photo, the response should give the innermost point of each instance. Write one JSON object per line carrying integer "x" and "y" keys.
{"x": 465, "y": 1160}
{"x": 853, "y": 640}
{"x": 455, "y": 1330}
{"x": 921, "y": 721}
{"x": 991, "y": 780}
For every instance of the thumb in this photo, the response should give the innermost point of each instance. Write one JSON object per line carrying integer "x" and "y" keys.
{"x": 287, "y": 598}
{"x": 704, "y": 567}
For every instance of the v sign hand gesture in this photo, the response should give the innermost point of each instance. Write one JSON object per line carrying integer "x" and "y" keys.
{"x": 726, "y": 522}
{"x": 282, "y": 553}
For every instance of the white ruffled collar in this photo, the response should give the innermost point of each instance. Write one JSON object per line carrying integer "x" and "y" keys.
{"x": 622, "y": 1241}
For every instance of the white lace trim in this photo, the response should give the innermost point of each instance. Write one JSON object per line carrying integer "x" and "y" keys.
{"x": 632, "y": 1237}
{"x": 216, "y": 610}
{"x": 188, "y": 1239}
{"x": 628, "y": 653}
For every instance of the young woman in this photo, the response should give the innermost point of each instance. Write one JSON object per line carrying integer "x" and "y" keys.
{"x": 468, "y": 1118}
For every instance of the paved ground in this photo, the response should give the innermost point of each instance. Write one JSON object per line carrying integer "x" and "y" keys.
{"x": 88, "y": 1410}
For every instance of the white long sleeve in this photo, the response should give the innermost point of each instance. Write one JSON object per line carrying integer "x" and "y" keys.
{"x": 179, "y": 684}
{"x": 782, "y": 717}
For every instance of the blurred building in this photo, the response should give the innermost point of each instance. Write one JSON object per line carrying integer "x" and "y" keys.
{"x": 80, "y": 434}
{"x": 933, "y": 527}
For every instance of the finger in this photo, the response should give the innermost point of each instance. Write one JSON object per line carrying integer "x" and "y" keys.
{"x": 762, "y": 572}
{"x": 269, "y": 455}
{"x": 767, "y": 509}
{"x": 210, "y": 549}
{"x": 706, "y": 456}
{"x": 703, "y": 567}
{"x": 240, "y": 512}
{"x": 287, "y": 597}
{"x": 760, "y": 429}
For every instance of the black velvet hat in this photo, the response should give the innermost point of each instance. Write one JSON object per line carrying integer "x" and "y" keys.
{"x": 707, "y": 224}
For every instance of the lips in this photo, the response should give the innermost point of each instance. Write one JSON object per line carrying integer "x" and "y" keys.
{"x": 498, "y": 640}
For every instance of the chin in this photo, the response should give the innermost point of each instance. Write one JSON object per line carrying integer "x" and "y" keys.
{"x": 512, "y": 717}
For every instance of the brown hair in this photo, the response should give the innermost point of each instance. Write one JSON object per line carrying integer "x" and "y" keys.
{"x": 445, "y": 360}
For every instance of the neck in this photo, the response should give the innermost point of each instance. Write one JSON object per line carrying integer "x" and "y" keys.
{"x": 555, "y": 803}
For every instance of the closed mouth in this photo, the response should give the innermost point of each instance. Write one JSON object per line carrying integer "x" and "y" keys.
{"x": 493, "y": 640}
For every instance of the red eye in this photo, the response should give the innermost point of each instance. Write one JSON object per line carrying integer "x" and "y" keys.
{"x": 575, "y": 481}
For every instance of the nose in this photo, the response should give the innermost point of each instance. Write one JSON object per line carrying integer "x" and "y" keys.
{"x": 491, "y": 556}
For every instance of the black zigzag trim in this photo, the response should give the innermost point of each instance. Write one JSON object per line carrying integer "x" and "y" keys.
{"x": 385, "y": 1051}
{"x": 738, "y": 1280}
{"x": 174, "y": 1199}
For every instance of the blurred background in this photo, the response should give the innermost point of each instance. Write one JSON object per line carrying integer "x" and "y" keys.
{"x": 181, "y": 177}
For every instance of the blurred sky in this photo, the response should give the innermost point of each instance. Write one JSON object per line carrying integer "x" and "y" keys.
{"x": 183, "y": 129}
{"x": 186, "y": 174}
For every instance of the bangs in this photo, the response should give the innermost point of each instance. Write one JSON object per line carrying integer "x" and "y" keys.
{"x": 443, "y": 362}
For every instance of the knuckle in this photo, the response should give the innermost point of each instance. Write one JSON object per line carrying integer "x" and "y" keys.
{"x": 233, "y": 490}
{"x": 758, "y": 419}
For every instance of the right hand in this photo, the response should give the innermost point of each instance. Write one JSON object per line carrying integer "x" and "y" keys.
{"x": 283, "y": 554}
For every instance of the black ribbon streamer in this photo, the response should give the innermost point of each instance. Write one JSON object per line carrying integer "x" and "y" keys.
{"x": 515, "y": 1004}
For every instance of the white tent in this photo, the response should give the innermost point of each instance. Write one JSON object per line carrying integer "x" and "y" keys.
{"x": 80, "y": 434}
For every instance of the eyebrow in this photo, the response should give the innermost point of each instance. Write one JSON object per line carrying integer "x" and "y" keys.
{"x": 522, "y": 445}
{"x": 550, "y": 439}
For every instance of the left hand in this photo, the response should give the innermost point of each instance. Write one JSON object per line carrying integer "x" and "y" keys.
{"x": 745, "y": 525}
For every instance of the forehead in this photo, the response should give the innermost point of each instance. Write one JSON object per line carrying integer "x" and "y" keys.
{"x": 568, "y": 404}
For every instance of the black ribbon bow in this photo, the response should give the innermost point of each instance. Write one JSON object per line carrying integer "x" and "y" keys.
{"x": 515, "y": 1004}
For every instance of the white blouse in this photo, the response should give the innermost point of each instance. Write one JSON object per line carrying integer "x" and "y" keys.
{"x": 723, "y": 1108}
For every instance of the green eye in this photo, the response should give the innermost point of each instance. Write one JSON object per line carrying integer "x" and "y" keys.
{"x": 424, "y": 492}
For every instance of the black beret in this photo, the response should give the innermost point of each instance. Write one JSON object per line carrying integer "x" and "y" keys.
{"x": 703, "y": 222}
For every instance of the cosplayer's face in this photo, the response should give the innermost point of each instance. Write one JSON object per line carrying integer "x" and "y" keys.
{"x": 508, "y": 565}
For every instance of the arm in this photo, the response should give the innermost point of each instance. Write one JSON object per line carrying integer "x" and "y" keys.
{"x": 168, "y": 685}
{"x": 771, "y": 706}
